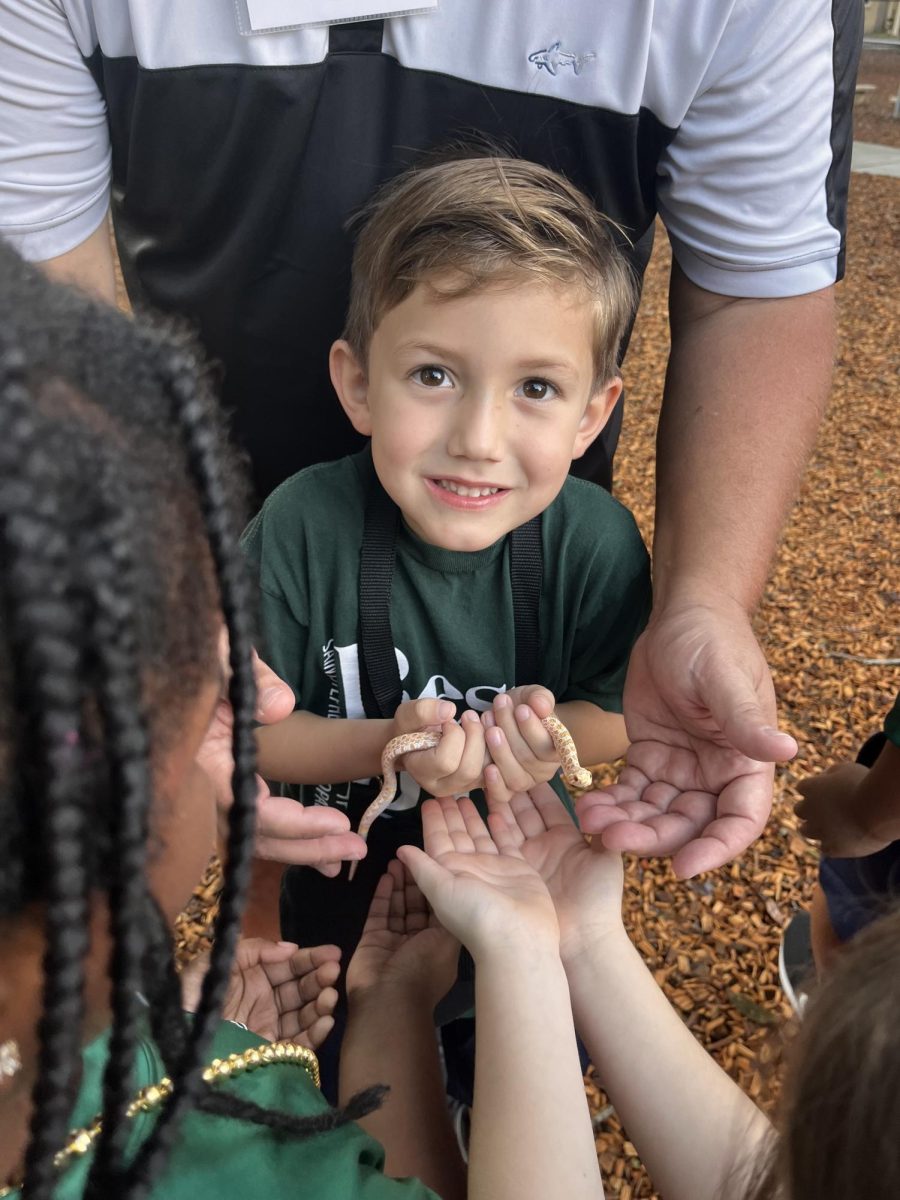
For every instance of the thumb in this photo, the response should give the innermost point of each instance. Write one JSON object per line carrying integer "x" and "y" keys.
{"x": 748, "y": 722}
{"x": 418, "y": 714}
{"x": 427, "y": 874}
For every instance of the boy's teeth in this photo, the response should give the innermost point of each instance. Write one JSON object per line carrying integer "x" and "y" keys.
{"x": 460, "y": 490}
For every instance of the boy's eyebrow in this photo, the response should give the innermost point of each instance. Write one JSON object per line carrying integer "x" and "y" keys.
{"x": 545, "y": 364}
{"x": 531, "y": 364}
{"x": 425, "y": 348}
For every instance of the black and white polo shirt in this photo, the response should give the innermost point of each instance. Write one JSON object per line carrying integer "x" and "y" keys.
{"x": 233, "y": 161}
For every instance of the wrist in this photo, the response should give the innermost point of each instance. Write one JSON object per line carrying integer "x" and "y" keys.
{"x": 515, "y": 953}
{"x": 393, "y": 992}
{"x": 592, "y": 942}
{"x": 678, "y": 590}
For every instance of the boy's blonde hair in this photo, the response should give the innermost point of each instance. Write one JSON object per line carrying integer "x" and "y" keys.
{"x": 487, "y": 220}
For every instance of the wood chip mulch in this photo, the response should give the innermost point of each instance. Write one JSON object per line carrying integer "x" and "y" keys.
{"x": 873, "y": 112}
{"x": 712, "y": 943}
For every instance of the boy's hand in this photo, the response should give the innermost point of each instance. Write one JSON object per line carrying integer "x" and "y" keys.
{"x": 415, "y": 716}
{"x": 402, "y": 943}
{"x": 584, "y": 880}
{"x": 276, "y": 989}
{"x": 487, "y": 897}
{"x": 456, "y": 763}
{"x": 519, "y": 745}
{"x": 830, "y": 812}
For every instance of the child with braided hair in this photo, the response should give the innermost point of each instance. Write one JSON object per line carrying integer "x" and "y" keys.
{"x": 120, "y": 562}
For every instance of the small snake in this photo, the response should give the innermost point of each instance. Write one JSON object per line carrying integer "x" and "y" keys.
{"x": 574, "y": 773}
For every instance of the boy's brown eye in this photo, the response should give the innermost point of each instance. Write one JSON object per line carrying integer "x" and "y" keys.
{"x": 432, "y": 376}
{"x": 535, "y": 389}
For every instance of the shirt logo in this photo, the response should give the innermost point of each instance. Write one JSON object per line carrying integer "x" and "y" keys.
{"x": 553, "y": 58}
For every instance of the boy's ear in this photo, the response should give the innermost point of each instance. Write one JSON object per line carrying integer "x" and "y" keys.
{"x": 602, "y": 402}
{"x": 351, "y": 383}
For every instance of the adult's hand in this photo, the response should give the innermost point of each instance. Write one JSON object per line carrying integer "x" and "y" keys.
{"x": 286, "y": 831}
{"x": 700, "y": 712}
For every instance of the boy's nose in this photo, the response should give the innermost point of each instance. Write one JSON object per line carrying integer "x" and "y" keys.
{"x": 479, "y": 428}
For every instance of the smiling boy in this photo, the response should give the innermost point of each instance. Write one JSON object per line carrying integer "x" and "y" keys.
{"x": 488, "y": 302}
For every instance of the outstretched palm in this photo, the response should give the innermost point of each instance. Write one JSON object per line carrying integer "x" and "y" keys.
{"x": 402, "y": 941}
{"x": 698, "y": 704}
{"x": 585, "y": 881}
{"x": 482, "y": 894}
{"x": 276, "y": 989}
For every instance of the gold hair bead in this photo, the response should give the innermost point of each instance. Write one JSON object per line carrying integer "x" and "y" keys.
{"x": 149, "y": 1098}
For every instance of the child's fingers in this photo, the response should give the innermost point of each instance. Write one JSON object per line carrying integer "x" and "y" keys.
{"x": 397, "y": 911}
{"x": 528, "y": 739}
{"x": 294, "y": 1023}
{"x": 414, "y": 715}
{"x": 313, "y": 1037}
{"x": 496, "y": 792}
{"x": 471, "y": 761}
{"x": 417, "y": 910}
{"x": 428, "y": 874}
{"x": 534, "y": 734}
{"x": 506, "y": 834}
{"x": 434, "y": 830}
{"x": 515, "y": 775}
{"x": 476, "y": 829}
{"x": 456, "y": 825}
{"x": 544, "y": 801}
{"x": 380, "y": 905}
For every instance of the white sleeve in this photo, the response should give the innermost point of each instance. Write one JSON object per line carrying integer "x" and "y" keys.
{"x": 55, "y": 158}
{"x": 752, "y": 189}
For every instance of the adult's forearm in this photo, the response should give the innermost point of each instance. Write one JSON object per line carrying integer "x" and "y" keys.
{"x": 88, "y": 266}
{"x": 531, "y": 1132}
{"x": 305, "y": 748}
{"x": 391, "y": 1039}
{"x": 746, "y": 388}
{"x": 691, "y": 1124}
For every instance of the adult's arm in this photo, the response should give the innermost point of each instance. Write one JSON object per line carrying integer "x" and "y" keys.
{"x": 752, "y": 189}
{"x": 88, "y": 265}
{"x": 747, "y": 384}
{"x": 55, "y": 162}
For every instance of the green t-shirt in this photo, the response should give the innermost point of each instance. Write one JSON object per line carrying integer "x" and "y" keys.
{"x": 216, "y": 1157}
{"x": 451, "y": 612}
{"x": 892, "y": 724}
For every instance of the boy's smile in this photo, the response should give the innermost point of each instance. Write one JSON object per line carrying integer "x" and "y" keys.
{"x": 477, "y": 404}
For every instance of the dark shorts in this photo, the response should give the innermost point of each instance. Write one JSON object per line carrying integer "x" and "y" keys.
{"x": 857, "y": 890}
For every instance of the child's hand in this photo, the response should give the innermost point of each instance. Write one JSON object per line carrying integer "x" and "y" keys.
{"x": 487, "y": 897}
{"x": 517, "y": 742}
{"x": 456, "y": 764}
{"x": 276, "y": 989}
{"x": 584, "y": 880}
{"x": 402, "y": 943}
{"x": 830, "y": 813}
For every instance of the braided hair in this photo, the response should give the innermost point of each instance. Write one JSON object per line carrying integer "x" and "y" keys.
{"x": 119, "y": 519}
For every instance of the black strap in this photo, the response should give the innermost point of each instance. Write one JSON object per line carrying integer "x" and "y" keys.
{"x": 356, "y": 37}
{"x": 379, "y": 675}
{"x": 526, "y": 569}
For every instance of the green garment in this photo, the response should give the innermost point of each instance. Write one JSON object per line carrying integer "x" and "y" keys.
{"x": 220, "y": 1158}
{"x": 451, "y": 612}
{"x": 892, "y": 724}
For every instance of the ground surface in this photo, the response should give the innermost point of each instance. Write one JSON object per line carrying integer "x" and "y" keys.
{"x": 872, "y": 117}
{"x": 712, "y": 943}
